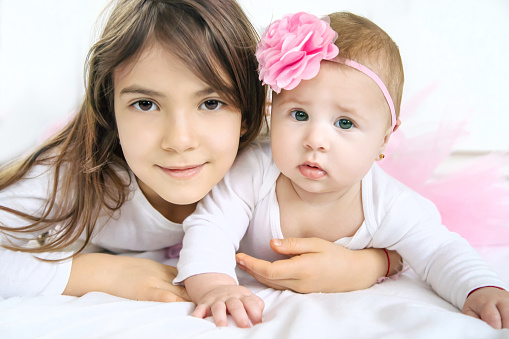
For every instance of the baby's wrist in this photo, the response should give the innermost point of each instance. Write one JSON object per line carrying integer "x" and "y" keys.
{"x": 478, "y": 288}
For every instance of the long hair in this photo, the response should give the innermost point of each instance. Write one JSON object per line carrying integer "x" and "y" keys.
{"x": 361, "y": 40}
{"x": 217, "y": 42}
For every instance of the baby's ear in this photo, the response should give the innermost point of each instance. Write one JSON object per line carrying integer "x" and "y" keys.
{"x": 398, "y": 123}
{"x": 388, "y": 136}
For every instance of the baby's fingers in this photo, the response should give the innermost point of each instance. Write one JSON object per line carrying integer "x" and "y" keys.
{"x": 491, "y": 315}
{"x": 254, "y": 307}
{"x": 471, "y": 313}
{"x": 488, "y": 313}
{"x": 219, "y": 314}
{"x": 504, "y": 313}
{"x": 238, "y": 312}
{"x": 201, "y": 311}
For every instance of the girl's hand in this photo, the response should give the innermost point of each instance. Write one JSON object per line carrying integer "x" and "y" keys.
{"x": 318, "y": 265}
{"x": 489, "y": 304}
{"x": 126, "y": 277}
{"x": 218, "y": 294}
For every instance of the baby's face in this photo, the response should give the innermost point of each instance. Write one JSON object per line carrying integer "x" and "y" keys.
{"x": 327, "y": 132}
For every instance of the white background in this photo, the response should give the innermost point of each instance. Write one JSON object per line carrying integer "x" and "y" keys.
{"x": 458, "y": 49}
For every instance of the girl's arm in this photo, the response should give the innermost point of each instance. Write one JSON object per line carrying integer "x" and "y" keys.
{"x": 216, "y": 294}
{"x": 122, "y": 276}
{"x": 318, "y": 265}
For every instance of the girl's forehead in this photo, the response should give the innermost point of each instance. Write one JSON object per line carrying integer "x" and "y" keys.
{"x": 146, "y": 52}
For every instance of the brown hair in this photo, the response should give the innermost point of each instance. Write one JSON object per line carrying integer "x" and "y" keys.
{"x": 361, "y": 40}
{"x": 213, "y": 37}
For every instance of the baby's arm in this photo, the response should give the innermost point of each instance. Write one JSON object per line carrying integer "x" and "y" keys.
{"x": 317, "y": 265}
{"x": 122, "y": 276}
{"x": 441, "y": 258}
{"x": 216, "y": 294}
{"x": 490, "y": 304}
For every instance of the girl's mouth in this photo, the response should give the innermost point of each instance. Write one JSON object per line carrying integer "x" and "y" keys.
{"x": 186, "y": 172}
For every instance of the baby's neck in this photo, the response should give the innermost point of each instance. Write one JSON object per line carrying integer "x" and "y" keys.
{"x": 334, "y": 199}
{"x": 330, "y": 216}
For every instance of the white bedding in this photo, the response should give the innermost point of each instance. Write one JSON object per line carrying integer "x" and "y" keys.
{"x": 402, "y": 308}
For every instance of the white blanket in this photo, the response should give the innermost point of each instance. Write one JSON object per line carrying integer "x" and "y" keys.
{"x": 402, "y": 308}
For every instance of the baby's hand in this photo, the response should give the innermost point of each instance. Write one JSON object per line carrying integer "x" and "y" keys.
{"x": 489, "y": 304}
{"x": 239, "y": 301}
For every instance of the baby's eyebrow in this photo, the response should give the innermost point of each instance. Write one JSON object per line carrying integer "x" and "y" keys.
{"x": 294, "y": 100}
{"x": 141, "y": 90}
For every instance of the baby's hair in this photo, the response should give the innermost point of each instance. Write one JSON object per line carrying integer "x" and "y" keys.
{"x": 361, "y": 40}
{"x": 214, "y": 38}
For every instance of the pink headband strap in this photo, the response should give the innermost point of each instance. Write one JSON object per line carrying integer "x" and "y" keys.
{"x": 376, "y": 79}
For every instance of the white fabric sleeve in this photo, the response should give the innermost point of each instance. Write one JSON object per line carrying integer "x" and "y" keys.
{"x": 23, "y": 275}
{"x": 443, "y": 259}
{"x": 213, "y": 232}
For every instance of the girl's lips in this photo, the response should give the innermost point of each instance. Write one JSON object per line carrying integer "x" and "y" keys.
{"x": 312, "y": 171}
{"x": 182, "y": 173}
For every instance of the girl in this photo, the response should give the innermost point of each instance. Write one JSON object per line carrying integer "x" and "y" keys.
{"x": 334, "y": 109}
{"x": 161, "y": 123}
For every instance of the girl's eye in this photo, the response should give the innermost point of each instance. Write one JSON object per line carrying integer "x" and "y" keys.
{"x": 212, "y": 105}
{"x": 344, "y": 124}
{"x": 145, "y": 105}
{"x": 300, "y": 115}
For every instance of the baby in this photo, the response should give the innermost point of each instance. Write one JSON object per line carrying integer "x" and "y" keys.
{"x": 336, "y": 102}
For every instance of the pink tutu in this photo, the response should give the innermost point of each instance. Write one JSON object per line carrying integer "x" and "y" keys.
{"x": 473, "y": 201}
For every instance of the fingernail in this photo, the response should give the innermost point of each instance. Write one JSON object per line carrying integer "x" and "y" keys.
{"x": 241, "y": 263}
{"x": 276, "y": 242}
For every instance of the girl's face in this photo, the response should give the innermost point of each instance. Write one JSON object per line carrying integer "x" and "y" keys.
{"x": 178, "y": 135}
{"x": 327, "y": 132}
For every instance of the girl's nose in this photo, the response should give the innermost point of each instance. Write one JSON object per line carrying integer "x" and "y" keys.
{"x": 179, "y": 133}
{"x": 316, "y": 138}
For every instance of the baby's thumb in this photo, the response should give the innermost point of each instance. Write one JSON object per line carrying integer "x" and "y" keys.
{"x": 295, "y": 246}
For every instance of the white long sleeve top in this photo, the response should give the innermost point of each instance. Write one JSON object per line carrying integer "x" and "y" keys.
{"x": 243, "y": 211}
{"x": 136, "y": 226}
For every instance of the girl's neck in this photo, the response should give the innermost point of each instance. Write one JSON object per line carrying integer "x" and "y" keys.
{"x": 174, "y": 213}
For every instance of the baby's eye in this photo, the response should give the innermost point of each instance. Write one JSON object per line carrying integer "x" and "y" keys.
{"x": 212, "y": 105}
{"x": 300, "y": 115}
{"x": 344, "y": 124}
{"x": 145, "y": 105}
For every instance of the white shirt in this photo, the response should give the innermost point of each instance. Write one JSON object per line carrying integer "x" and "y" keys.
{"x": 396, "y": 218}
{"x": 136, "y": 226}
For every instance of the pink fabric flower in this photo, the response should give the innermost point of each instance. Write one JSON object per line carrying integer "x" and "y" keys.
{"x": 292, "y": 48}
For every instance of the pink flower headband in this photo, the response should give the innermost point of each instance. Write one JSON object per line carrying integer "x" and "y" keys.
{"x": 292, "y": 48}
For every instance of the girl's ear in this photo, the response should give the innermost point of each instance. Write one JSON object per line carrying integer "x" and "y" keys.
{"x": 387, "y": 137}
{"x": 243, "y": 129}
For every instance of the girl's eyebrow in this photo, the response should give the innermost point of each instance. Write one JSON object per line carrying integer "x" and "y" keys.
{"x": 148, "y": 92}
{"x": 205, "y": 91}
{"x": 140, "y": 90}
